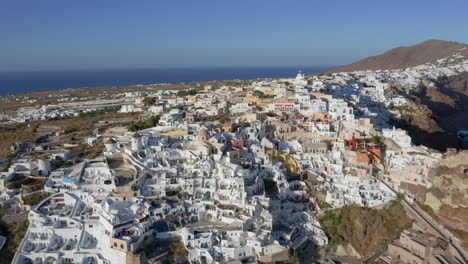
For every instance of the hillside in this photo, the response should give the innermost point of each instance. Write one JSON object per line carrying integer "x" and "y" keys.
{"x": 363, "y": 232}
{"x": 404, "y": 57}
{"x": 447, "y": 197}
{"x": 435, "y": 110}
{"x": 436, "y": 106}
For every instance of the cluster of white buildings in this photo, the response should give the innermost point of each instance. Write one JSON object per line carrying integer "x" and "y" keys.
{"x": 48, "y": 112}
{"x": 238, "y": 190}
{"x": 62, "y": 109}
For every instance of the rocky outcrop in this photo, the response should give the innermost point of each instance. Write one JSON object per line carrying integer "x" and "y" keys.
{"x": 447, "y": 198}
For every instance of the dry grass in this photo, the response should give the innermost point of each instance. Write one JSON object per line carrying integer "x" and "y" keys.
{"x": 76, "y": 129}
{"x": 367, "y": 230}
{"x": 14, "y": 133}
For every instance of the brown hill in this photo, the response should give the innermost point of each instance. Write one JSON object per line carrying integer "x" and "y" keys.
{"x": 404, "y": 57}
{"x": 366, "y": 230}
{"x": 435, "y": 110}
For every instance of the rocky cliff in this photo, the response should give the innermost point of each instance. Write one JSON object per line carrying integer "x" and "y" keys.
{"x": 447, "y": 199}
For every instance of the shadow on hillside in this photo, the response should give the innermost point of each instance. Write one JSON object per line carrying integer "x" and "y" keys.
{"x": 438, "y": 140}
{"x": 448, "y": 102}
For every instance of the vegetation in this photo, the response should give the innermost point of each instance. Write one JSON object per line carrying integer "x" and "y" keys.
{"x": 17, "y": 181}
{"x": 213, "y": 118}
{"x": 332, "y": 218}
{"x": 64, "y": 164}
{"x": 324, "y": 205}
{"x": 179, "y": 250}
{"x": 190, "y": 92}
{"x": 271, "y": 114}
{"x": 94, "y": 150}
{"x": 32, "y": 186}
{"x": 428, "y": 209}
{"x": 14, "y": 232}
{"x": 150, "y": 122}
{"x": 149, "y": 100}
{"x": 11, "y": 186}
{"x": 34, "y": 199}
{"x": 82, "y": 151}
{"x": 75, "y": 128}
{"x": 14, "y": 133}
{"x": 97, "y": 113}
{"x": 3, "y": 211}
{"x": 40, "y": 139}
{"x": 270, "y": 187}
{"x": 262, "y": 95}
{"x": 167, "y": 110}
{"x": 20, "y": 231}
{"x": 378, "y": 140}
{"x": 8, "y": 161}
{"x": 81, "y": 148}
{"x": 178, "y": 253}
{"x": 367, "y": 230}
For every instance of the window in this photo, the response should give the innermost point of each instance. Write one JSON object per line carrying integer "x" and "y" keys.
{"x": 115, "y": 244}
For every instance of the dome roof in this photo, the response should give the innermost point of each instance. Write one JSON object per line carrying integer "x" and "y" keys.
{"x": 110, "y": 141}
{"x": 203, "y": 134}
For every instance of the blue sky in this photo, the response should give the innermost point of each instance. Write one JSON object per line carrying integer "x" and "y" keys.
{"x": 106, "y": 34}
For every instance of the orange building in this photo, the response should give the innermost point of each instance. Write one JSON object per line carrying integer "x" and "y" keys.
{"x": 369, "y": 155}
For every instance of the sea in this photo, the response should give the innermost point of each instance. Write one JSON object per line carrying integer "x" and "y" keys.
{"x": 35, "y": 81}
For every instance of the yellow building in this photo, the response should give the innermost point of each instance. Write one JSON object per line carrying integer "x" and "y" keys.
{"x": 288, "y": 162}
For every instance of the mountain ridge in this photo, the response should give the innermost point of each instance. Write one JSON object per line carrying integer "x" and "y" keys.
{"x": 407, "y": 56}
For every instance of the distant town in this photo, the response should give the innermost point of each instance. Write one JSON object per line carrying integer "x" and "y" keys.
{"x": 257, "y": 171}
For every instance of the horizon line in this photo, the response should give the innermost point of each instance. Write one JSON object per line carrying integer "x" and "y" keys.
{"x": 168, "y": 68}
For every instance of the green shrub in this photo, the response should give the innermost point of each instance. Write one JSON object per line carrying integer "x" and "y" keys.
{"x": 191, "y": 92}
{"x": 10, "y": 185}
{"x": 149, "y": 101}
{"x": 150, "y": 122}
